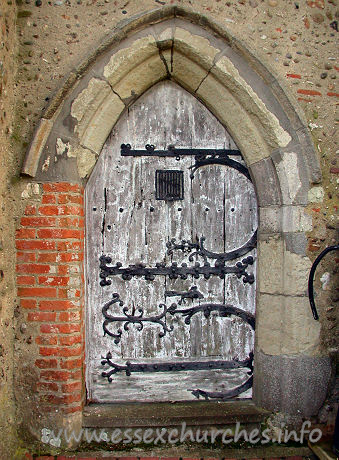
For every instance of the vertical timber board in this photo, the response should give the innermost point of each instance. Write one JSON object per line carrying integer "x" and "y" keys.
{"x": 126, "y": 222}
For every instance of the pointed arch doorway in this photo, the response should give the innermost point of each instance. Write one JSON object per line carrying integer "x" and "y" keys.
{"x": 171, "y": 233}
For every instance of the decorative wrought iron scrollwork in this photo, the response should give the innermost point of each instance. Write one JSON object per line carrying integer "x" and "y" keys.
{"x": 202, "y": 157}
{"x": 219, "y": 158}
{"x": 136, "y": 316}
{"x": 200, "y": 251}
{"x": 192, "y": 293}
{"x": 223, "y": 395}
{"x": 207, "y": 308}
{"x": 196, "y": 269}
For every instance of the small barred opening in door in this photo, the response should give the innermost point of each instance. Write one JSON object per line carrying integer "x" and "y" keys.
{"x": 171, "y": 257}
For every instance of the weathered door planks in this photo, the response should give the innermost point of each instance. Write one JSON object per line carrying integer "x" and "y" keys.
{"x": 126, "y": 222}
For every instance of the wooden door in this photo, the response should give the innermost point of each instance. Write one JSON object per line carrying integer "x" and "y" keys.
{"x": 171, "y": 219}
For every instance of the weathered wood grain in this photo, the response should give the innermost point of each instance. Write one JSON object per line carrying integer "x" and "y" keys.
{"x": 125, "y": 221}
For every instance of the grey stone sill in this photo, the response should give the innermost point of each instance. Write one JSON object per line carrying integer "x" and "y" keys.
{"x": 196, "y": 413}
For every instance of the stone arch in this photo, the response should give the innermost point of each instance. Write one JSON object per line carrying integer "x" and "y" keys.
{"x": 204, "y": 58}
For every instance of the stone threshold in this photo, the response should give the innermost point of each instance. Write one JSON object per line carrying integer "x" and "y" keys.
{"x": 264, "y": 453}
{"x": 196, "y": 413}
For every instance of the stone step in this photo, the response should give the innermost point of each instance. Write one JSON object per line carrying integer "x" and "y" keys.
{"x": 268, "y": 453}
{"x": 194, "y": 414}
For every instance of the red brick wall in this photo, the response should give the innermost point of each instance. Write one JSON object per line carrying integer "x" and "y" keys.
{"x": 50, "y": 252}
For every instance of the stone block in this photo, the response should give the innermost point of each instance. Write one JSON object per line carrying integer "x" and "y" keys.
{"x": 285, "y": 325}
{"x": 267, "y": 122}
{"x": 295, "y": 385}
{"x": 195, "y": 47}
{"x": 102, "y": 123}
{"x": 270, "y": 218}
{"x": 141, "y": 78}
{"x": 266, "y": 182}
{"x": 181, "y": 64}
{"x": 269, "y": 323}
{"x": 126, "y": 59}
{"x": 296, "y": 271}
{"x": 301, "y": 331}
{"x": 295, "y": 219}
{"x": 216, "y": 96}
{"x": 96, "y": 109}
{"x": 270, "y": 265}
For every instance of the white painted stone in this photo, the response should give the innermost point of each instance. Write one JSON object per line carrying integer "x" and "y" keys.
{"x": 61, "y": 147}
{"x": 85, "y": 161}
{"x": 325, "y": 280}
{"x": 271, "y": 128}
{"x": 124, "y": 60}
{"x": 97, "y": 109}
{"x": 296, "y": 272}
{"x": 88, "y": 98}
{"x": 27, "y": 192}
{"x": 35, "y": 188}
{"x": 288, "y": 174}
{"x": 270, "y": 267}
{"x": 295, "y": 219}
{"x": 46, "y": 163}
{"x": 316, "y": 195}
{"x": 195, "y": 47}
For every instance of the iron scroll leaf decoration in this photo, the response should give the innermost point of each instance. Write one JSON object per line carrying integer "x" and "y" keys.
{"x": 177, "y": 366}
{"x": 187, "y": 246}
{"x": 196, "y": 250}
{"x": 137, "y": 316}
{"x": 203, "y": 157}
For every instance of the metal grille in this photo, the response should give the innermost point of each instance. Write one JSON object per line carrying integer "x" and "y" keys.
{"x": 169, "y": 185}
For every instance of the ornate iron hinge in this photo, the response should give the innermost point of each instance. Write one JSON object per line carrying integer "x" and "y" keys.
{"x": 172, "y": 151}
{"x": 175, "y": 271}
{"x": 136, "y": 316}
{"x": 174, "y": 366}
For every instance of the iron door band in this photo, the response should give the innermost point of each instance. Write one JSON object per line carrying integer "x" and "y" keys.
{"x": 203, "y": 157}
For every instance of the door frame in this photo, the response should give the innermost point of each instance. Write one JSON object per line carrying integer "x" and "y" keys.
{"x": 265, "y": 122}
